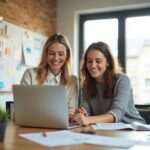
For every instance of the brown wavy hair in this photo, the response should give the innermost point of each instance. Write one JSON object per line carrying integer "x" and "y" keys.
{"x": 43, "y": 67}
{"x": 88, "y": 84}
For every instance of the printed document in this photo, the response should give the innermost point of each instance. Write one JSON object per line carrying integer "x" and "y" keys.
{"x": 65, "y": 137}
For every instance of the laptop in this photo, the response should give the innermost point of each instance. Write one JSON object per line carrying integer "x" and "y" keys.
{"x": 41, "y": 106}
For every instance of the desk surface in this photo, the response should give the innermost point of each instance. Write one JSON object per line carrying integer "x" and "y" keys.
{"x": 14, "y": 142}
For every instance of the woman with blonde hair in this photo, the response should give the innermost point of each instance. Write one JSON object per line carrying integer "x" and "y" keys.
{"x": 55, "y": 69}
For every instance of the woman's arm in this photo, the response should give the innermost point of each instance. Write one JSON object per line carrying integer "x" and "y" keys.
{"x": 105, "y": 118}
{"x": 73, "y": 95}
{"x": 29, "y": 77}
{"x": 122, "y": 98}
{"x": 86, "y": 120}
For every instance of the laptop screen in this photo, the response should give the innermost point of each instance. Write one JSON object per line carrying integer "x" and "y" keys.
{"x": 40, "y": 106}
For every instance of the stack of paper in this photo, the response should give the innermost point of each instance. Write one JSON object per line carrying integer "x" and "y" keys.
{"x": 111, "y": 126}
{"x": 120, "y": 126}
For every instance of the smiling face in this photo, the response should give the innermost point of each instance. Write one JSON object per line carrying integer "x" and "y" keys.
{"x": 96, "y": 64}
{"x": 56, "y": 58}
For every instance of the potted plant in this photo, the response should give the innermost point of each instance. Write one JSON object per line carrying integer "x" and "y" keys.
{"x": 3, "y": 123}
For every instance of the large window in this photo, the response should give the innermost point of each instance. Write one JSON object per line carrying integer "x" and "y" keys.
{"x": 105, "y": 30}
{"x": 128, "y": 34}
{"x": 138, "y": 56}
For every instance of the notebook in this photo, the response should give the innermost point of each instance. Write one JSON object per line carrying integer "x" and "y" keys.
{"x": 41, "y": 106}
{"x": 120, "y": 126}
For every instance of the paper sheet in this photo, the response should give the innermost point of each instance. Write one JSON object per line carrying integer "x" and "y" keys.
{"x": 52, "y": 139}
{"x": 119, "y": 126}
{"x": 111, "y": 126}
{"x": 65, "y": 137}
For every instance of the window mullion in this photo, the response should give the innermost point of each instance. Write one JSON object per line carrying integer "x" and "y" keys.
{"x": 121, "y": 42}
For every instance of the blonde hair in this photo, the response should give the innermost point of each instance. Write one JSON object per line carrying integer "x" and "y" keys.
{"x": 43, "y": 67}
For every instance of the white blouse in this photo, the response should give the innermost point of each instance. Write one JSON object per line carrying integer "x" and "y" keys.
{"x": 29, "y": 78}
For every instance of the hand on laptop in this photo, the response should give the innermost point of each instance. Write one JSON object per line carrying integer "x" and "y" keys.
{"x": 71, "y": 118}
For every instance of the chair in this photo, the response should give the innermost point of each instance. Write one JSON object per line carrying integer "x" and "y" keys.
{"x": 144, "y": 111}
{"x": 10, "y": 108}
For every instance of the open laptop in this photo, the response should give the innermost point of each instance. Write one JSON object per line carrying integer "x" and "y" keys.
{"x": 41, "y": 106}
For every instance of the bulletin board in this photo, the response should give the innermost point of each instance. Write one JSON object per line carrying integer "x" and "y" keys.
{"x": 19, "y": 49}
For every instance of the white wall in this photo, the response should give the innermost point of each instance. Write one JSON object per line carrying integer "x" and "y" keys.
{"x": 68, "y": 12}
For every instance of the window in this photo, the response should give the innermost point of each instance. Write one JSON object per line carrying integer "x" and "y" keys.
{"x": 138, "y": 54}
{"x": 99, "y": 29}
{"x": 128, "y": 34}
{"x": 147, "y": 82}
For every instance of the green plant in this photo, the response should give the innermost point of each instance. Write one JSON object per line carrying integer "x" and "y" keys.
{"x": 3, "y": 115}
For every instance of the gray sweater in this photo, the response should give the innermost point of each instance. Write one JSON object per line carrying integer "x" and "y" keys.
{"x": 121, "y": 105}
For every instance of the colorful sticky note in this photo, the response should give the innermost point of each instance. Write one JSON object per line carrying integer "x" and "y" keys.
{"x": 28, "y": 49}
{"x": 2, "y": 85}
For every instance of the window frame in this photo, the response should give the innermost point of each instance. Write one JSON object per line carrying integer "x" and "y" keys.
{"x": 121, "y": 16}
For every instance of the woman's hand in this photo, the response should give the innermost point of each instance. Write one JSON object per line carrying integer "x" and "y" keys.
{"x": 80, "y": 116}
{"x": 71, "y": 118}
{"x": 82, "y": 111}
{"x": 82, "y": 119}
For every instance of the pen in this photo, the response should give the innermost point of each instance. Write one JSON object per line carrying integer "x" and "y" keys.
{"x": 44, "y": 134}
{"x": 88, "y": 131}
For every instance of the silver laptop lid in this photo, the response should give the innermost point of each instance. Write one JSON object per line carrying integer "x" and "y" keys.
{"x": 41, "y": 106}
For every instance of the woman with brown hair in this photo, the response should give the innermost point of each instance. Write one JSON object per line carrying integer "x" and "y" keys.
{"x": 54, "y": 69}
{"x": 106, "y": 91}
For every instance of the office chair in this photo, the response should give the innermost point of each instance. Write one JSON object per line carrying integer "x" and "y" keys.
{"x": 144, "y": 111}
{"x": 10, "y": 108}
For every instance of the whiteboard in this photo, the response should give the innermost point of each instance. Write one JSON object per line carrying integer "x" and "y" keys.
{"x": 19, "y": 49}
